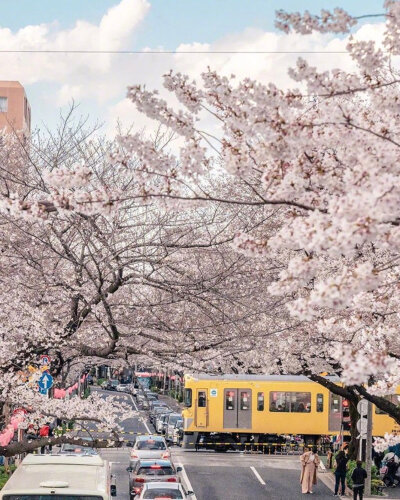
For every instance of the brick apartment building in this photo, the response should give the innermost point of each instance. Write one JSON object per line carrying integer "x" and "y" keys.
{"x": 15, "y": 111}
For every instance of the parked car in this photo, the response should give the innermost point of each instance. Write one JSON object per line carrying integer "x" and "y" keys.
{"x": 148, "y": 447}
{"x": 164, "y": 490}
{"x": 149, "y": 471}
{"x": 169, "y": 427}
{"x": 112, "y": 385}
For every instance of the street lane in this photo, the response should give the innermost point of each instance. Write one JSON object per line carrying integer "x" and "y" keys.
{"x": 218, "y": 476}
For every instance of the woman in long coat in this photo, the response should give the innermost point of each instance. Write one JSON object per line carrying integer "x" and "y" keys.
{"x": 309, "y": 465}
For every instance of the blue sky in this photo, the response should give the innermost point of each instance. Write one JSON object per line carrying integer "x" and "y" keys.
{"x": 99, "y": 83}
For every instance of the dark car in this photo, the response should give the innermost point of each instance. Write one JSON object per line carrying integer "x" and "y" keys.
{"x": 146, "y": 471}
{"x": 112, "y": 384}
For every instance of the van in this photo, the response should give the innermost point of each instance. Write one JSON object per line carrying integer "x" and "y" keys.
{"x": 56, "y": 477}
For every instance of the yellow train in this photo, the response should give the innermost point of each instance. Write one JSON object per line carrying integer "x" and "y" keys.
{"x": 263, "y": 405}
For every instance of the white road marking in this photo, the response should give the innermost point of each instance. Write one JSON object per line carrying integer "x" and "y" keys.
{"x": 133, "y": 401}
{"x": 142, "y": 419}
{"x": 185, "y": 478}
{"x": 258, "y": 475}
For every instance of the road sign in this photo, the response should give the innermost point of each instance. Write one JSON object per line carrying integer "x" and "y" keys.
{"x": 45, "y": 381}
{"x": 362, "y": 425}
{"x": 43, "y": 391}
{"x": 45, "y": 360}
{"x": 362, "y": 407}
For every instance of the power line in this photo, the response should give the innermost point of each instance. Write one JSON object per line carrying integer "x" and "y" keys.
{"x": 145, "y": 52}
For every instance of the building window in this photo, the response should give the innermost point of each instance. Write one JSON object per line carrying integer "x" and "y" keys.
{"x": 320, "y": 403}
{"x": 260, "y": 401}
{"x": 188, "y": 398}
{"x": 293, "y": 402}
{"x": 230, "y": 400}
{"x": 3, "y": 104}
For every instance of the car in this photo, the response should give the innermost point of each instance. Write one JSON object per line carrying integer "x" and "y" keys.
{"x": 177, "y": 432}
{"x": 149, "y": 471}
{"x": 155, "y": 409}
{"x": 165, "y": 491}
{"x": 76, "y": 449}
{"x": 161, "y": 421}
{"x": 148, "y": 447}
{"x": 112, "y": 385}
{"x": 170, "y": 424}
{"x": 122, "y": 387}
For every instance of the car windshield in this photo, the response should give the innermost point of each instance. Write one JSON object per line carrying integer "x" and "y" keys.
{"x": 114, "y": 382}
{"x": 174, "y": 418}
{"x": 150, "y": 444}
{"x": 162, "y": 493}
{"x": 156, "y": 470}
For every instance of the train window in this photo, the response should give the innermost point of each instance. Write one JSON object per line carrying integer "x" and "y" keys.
{"x": 201, "y": 399}
{"x": 320, "y": 403}
{"x": 260, "y": 401}
{"x": 295, "y": 402}
{"x": 230, "y": 400}
{"x": 335, "y": 403}
{"x": 394, "y": 398}
{"x": 188, "y": 398}
{"x": 244, "y": 400}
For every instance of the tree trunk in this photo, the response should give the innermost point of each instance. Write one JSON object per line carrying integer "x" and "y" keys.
{"x": 354, "y": 442}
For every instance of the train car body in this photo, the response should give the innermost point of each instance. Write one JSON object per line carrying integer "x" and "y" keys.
{"x": 261, "y": 405}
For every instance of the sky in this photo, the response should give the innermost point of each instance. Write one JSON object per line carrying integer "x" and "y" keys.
{"x": 98, "y": 82}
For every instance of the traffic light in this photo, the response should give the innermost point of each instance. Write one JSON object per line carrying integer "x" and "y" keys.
{"x": 346, "y": 424}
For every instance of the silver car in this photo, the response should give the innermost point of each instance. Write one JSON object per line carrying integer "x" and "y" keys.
{"x": 161, "y": 421}
{"x": 169, "y": 428}
{"x": 150, "y": 471}
{"x": 164, "y": 490}
{"x": 149, "y": 447}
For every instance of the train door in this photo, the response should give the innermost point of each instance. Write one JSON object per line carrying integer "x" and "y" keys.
{"x": 335, "y": 412}
{"x": 201, "y": 408}
{"x": 237, "y": 408}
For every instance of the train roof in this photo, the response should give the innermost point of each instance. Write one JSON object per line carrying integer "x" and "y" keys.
{"x": 263, "y": 378}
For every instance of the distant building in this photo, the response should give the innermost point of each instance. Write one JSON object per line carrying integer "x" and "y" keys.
{"x": 15, "y": 111}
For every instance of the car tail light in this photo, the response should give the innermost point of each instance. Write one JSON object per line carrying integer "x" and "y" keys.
{"x": 155, "y": 466}
{"x": 134, "y": 455}
{"x": 165, "y": 455}
{"x": 172, "y": 480}
{"x": 140, "y": 480}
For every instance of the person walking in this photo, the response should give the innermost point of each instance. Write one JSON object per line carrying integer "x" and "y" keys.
{"x": 359, "y": 476}
{"x": 309, "y": 465}
{"x": 340, "y": 472}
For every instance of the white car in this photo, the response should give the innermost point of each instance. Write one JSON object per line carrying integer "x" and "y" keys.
{"x": 122, "y": 387}
{"x": 164, "y": 490}
{"x": 169, "y": 428}
{"x": 150, "y": 447}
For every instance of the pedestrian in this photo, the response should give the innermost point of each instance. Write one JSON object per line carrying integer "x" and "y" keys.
{"x": 44, "y": 432}
{"x": 340, "y": 472}
{"x": 359, "y": 476}
{"x": 309, "y": 465}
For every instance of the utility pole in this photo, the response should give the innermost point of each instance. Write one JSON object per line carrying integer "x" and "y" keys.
{"x": 368, "y": 450}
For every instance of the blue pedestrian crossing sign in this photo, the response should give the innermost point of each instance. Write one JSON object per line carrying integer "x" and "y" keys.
{"x": 45, "y": 382}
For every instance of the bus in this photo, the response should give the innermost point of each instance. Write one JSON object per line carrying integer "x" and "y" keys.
{"x": 55, "y": 477}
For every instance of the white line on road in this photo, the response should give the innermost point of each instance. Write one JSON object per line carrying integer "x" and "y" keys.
{"x": 142, "y": 419}
{"x": 185, "y": 478}
{"x": 258, "y": 475}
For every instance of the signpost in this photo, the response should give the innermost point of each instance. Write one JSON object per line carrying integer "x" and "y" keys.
{"x": 364, "y": 427}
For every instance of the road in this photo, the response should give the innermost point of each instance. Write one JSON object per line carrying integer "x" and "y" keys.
{"x": 219, "y": 476}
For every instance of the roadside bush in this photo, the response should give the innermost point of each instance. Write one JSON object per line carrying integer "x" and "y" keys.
{"x": 100, "y": 381}
{"x": 375, "y": 479}
{"x": 3, "y": 474}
